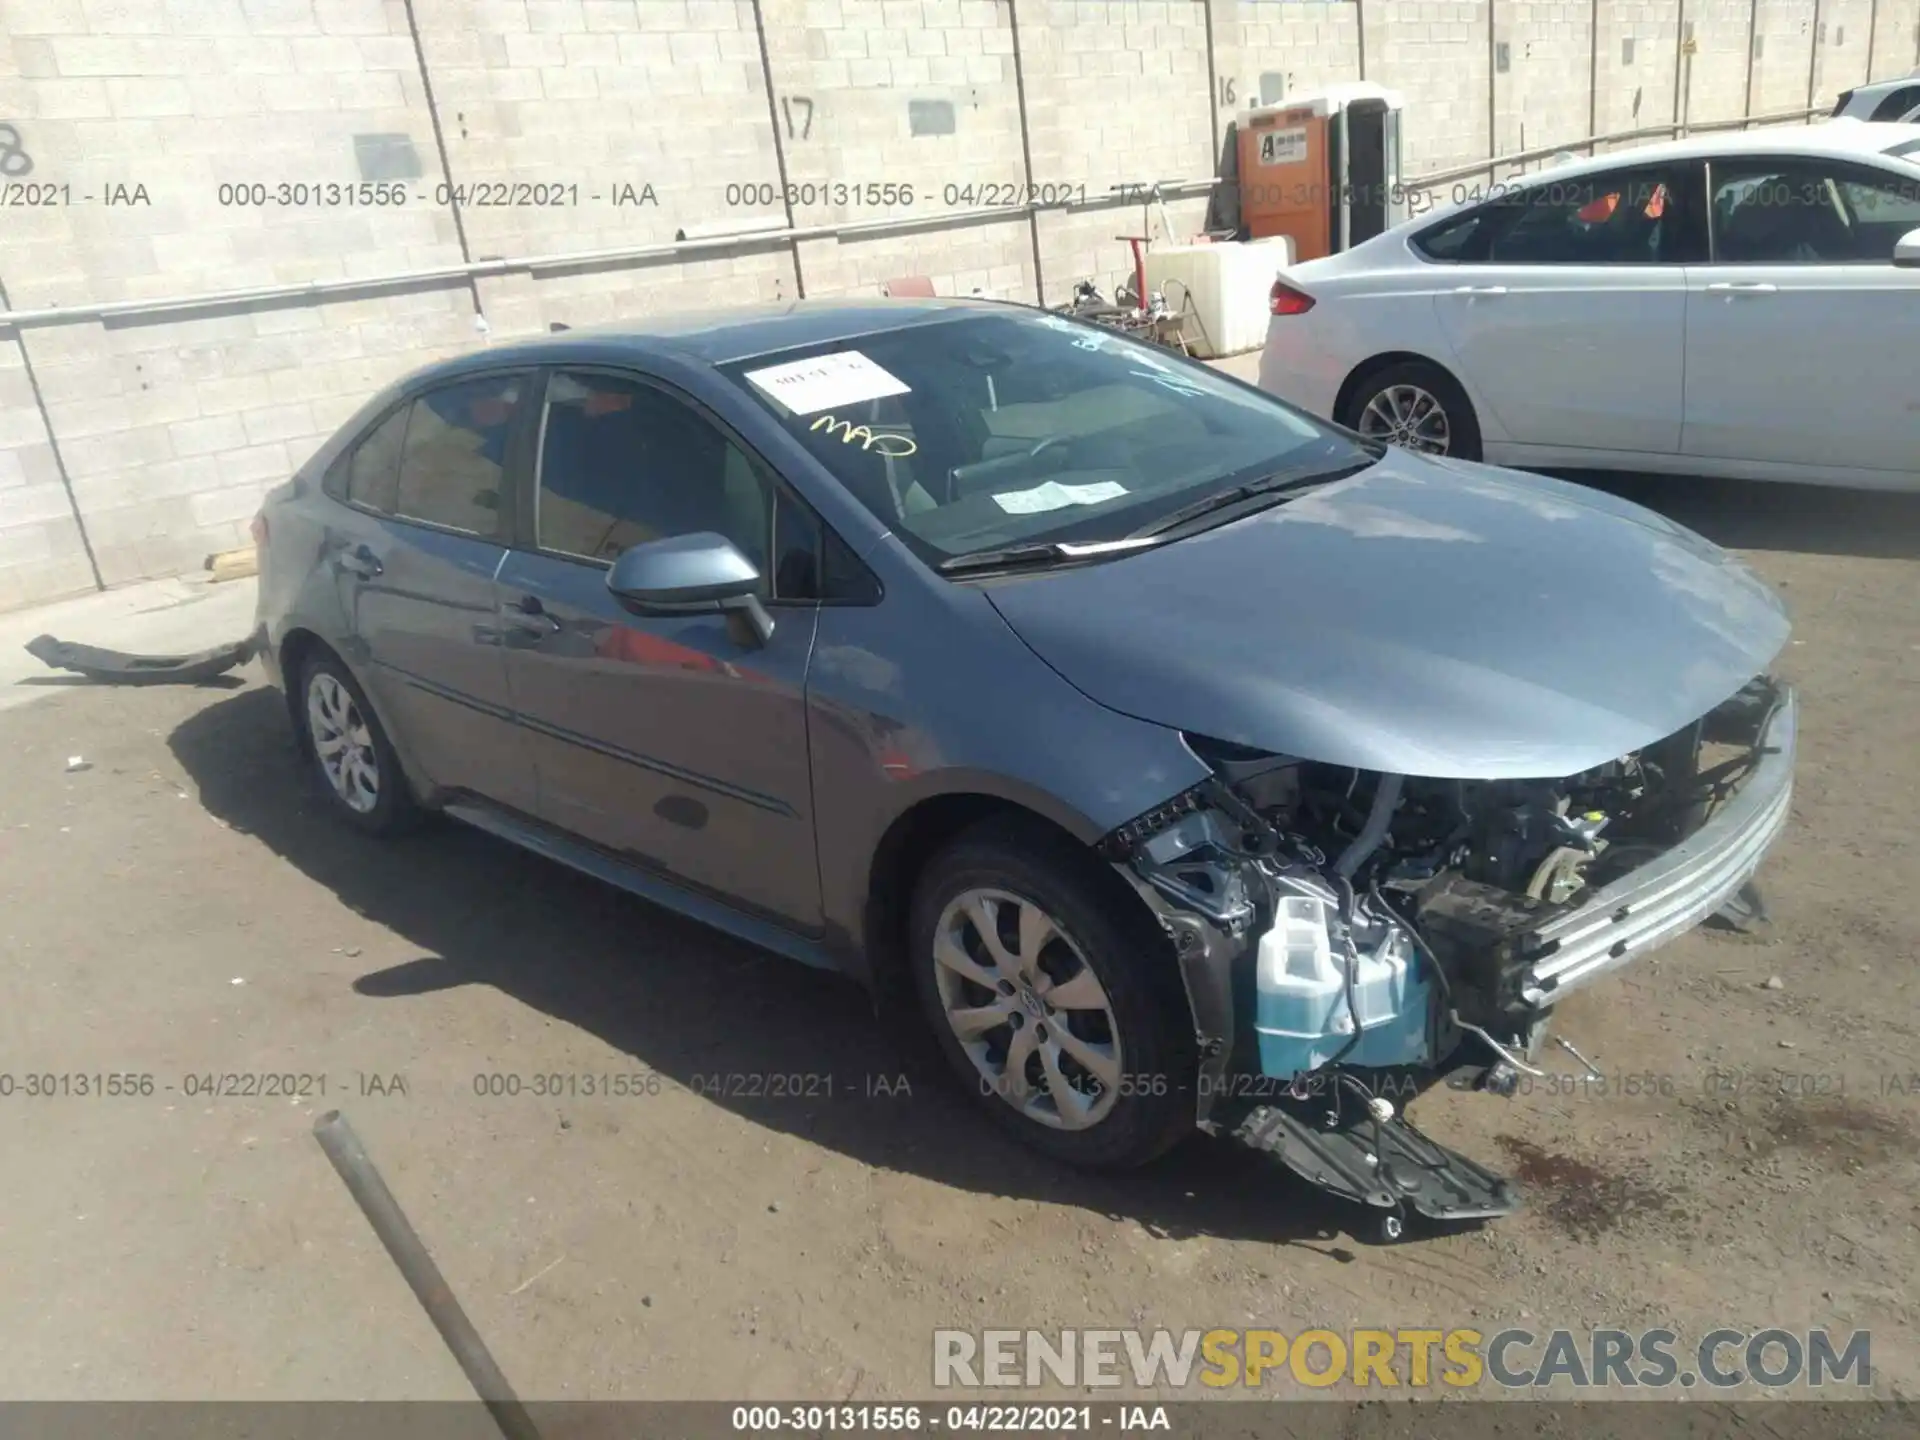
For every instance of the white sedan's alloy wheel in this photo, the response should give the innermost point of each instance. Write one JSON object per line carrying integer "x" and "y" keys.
{"x": 1407, "y": 416}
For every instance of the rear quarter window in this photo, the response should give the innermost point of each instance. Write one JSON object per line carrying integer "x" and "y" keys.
{"x": 372, "y": 468}
{"x": 1462, "y": 238}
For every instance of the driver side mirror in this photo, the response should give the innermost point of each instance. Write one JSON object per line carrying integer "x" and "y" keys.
{"x": 1906, "y": 251}
{"x": 695, "y": 574}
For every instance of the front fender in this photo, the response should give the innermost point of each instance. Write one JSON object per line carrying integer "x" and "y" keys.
{"x": 895, "y": 722}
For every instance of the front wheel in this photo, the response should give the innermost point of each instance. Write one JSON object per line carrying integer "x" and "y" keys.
{"x": 1417, "y": 406}
{"x": 1054, "y": 997}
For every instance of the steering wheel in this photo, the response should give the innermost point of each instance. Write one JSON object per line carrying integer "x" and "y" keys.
{"x": 962, "y": 477}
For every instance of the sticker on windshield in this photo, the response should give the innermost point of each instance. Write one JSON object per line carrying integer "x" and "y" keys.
{"x": 1055, "y": 496}
{"x": 805, "y": 387}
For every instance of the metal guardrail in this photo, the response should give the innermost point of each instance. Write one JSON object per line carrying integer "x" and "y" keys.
{"x": 1121, "y": 194}
{"x": 1146, "y": 192}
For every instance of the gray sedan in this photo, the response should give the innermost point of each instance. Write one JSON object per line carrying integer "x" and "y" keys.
{"x": 1167, "y": 757}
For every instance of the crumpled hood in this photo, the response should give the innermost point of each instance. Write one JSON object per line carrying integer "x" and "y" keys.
{"x": 1426, "y": 617}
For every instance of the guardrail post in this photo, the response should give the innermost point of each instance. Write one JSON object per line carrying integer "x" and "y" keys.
{"x": 53, "y": 446}
{"x": 779, "y": 149}
{"x": 1679, "y": 58}
{"x": 1813, "y": 54}
{"x": 1026, "y": 137}
{"x": 1493, "y": 97}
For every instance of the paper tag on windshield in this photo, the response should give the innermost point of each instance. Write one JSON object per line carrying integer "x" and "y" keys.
{"x": 1055, "y": 496}
{"x": 808, "y": 386}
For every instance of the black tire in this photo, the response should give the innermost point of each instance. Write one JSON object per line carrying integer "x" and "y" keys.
{"x": 1152, "y": 1107}
{"x": 394, "y": 809}
{"x": 1463, "y": 426}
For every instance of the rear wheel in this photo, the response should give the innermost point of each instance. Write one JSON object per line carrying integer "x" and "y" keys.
{"x": 359, "y": 772}
{"x": 1058, "y": 1008}
{"x": 1418, "y": 406}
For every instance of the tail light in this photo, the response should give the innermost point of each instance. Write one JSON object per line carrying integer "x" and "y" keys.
{"x": 1283, "y": 299}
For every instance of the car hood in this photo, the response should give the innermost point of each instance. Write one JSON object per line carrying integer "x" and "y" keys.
{"x": 1425, "y": 617}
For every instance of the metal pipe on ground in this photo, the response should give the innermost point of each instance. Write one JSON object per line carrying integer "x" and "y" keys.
{"x": 429, "y": 1286}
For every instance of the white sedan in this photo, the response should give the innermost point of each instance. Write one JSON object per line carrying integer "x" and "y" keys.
{"x": 1743, "y": 305}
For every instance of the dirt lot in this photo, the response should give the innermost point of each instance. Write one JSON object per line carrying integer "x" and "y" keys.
{"x": 184, "y": 908}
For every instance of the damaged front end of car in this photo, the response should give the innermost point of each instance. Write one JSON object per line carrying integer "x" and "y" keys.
{"x": 1348, "y": 939}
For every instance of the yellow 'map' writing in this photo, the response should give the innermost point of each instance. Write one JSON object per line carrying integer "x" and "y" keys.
{"x": 883, "y": 443}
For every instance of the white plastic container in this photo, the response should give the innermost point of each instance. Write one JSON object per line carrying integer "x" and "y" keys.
{"x": 1284, "y": 243}
{"x": 1301, "y": 1012}
{"x": 1220, "y": 291}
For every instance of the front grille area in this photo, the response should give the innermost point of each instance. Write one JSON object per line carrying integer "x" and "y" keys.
{"x": 1673, "y": 893}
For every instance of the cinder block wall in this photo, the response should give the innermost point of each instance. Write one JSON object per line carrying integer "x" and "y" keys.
{"x": 1439, "y": 55}
{"x": 1840, "y": 52}
{"x": 918, "y": 95}
{"x": 1720, "y": 65}
{"x": 1117, "y": 94}
{"x": 1634, "y": 64}
{"x": 201, "y": 146}
{"x": 1895, "y": 30}
{"x": 1783, "y": 54}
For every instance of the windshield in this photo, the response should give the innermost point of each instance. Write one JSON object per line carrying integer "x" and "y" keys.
{"x": 995, "y": 429}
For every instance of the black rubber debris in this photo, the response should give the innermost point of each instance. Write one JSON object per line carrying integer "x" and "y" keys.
{"x": 111, "y": 667}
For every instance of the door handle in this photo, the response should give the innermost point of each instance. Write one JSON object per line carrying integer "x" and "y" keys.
{"x": 1480, "y": 290}
{"x": 1741, "y": 287}
{"x": 360, "y": 561}
{"x": 539, "y": 621}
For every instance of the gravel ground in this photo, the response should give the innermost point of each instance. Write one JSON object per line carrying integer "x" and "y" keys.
{"x": 183, "y": 908}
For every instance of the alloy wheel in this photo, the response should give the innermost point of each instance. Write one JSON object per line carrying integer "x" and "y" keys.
{"x": 343, "y": 743}
{"x": 1027, "y": 1009}
{"x": 1410, "y": 417}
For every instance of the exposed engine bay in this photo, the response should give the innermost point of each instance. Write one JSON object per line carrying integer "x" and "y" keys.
{"x": 1349, "y": 939}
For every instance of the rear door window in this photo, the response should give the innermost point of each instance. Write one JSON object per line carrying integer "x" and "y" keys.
{"x": 1618, "y": 217}
{"x": 453, "y": 462}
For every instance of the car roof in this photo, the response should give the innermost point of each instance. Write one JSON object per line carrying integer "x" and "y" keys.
{"x": 713, "y": 336}
{"x": 1862, "y": 138}
{"x": 1877, "y": 88}
{"x": 1852, "y": 139}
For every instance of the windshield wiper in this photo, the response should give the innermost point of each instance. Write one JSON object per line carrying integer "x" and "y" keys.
{"x": 1281, "y": 482}
{"x": 1042, "y": 552}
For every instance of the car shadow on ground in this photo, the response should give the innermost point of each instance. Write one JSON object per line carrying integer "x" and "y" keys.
{"x": 695, "y": 1006}
{"x": 1761, "y": 515}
